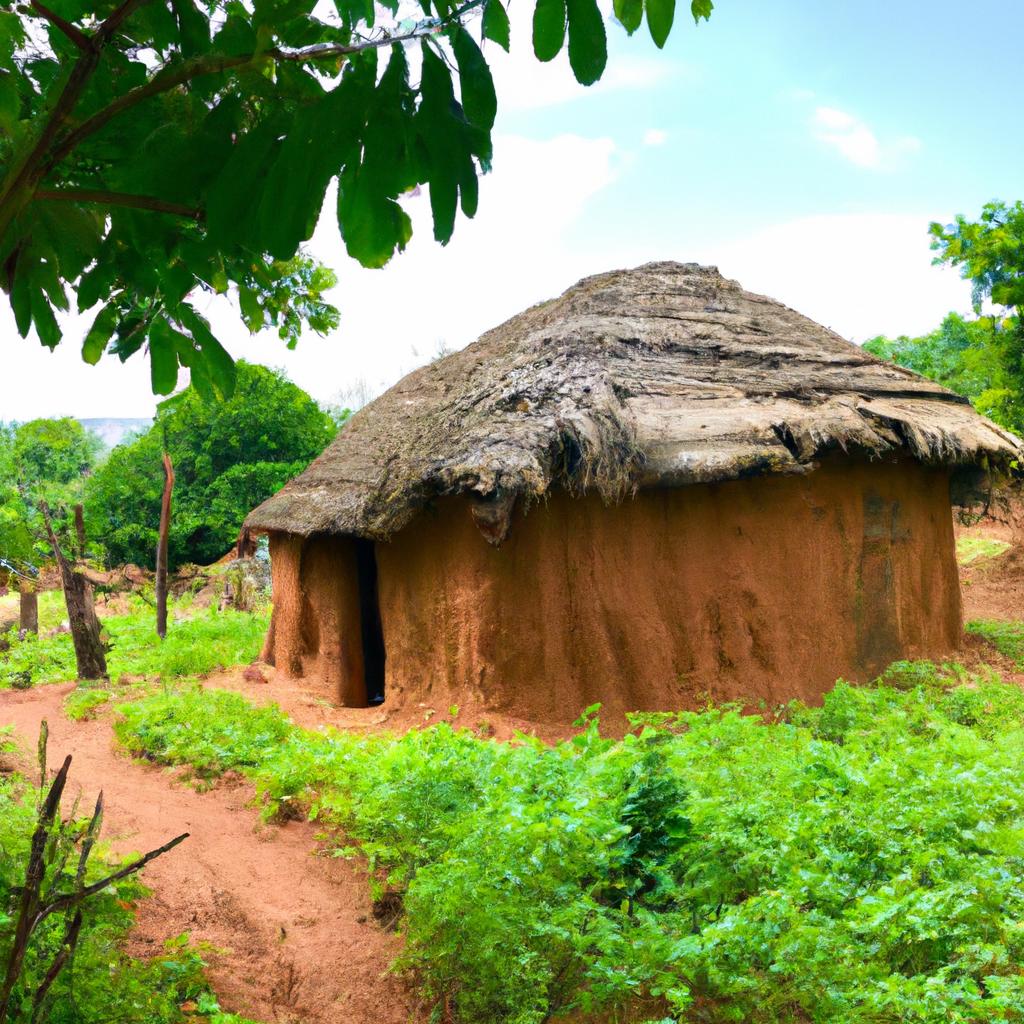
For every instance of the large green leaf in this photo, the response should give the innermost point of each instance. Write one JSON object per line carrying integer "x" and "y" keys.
{"x": 495, "y": 24}
{"x": 660, "y": 15}
{"x": 588, "y": 44}
{"x": 372, "y": 225}
{"x": 45, "y": 322}
{"x": 163, "y": 357}
{"x": 99, "y": 335}
{"x": 478, "y": 97}
{"x": 214, "y": 360}
{"x": 10, "y": 102}
{"x": 630, "y": 13}
{"x": 548, "y": 28}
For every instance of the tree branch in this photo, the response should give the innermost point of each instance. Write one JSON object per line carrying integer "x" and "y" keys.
{"x": 217, "y": 63}
{"x": 72, "y": 899}
{"x": 75, "y": 34}
{"x": 89, "y": 195}
{"x": 20, "y": 181}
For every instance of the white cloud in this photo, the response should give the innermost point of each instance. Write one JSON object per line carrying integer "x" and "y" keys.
{"x": 855, "y": 141}
{"x": 655, "y": 137}
{"x": 861, "y": 274}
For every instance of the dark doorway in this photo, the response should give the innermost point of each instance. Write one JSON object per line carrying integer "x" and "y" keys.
{"x": 369, "y": 614}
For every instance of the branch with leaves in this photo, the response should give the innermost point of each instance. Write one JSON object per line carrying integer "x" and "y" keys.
{"x": 152, "y": 151}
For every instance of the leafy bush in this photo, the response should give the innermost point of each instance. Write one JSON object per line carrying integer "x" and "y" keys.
{"x": 193, "y": 646}
{"x": 859, "y": 862}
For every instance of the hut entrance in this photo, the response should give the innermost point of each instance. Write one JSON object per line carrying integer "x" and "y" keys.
{"x": 369, "y": 615}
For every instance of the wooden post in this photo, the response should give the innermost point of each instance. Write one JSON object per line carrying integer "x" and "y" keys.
{"x": 85, "y": 627}
{"x": 161, "y": 549}
{"x": 28, "y": 606}
{"x": 80, "y": 531}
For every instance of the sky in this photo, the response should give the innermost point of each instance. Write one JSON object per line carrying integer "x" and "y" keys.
{"x": 802, "y": 147}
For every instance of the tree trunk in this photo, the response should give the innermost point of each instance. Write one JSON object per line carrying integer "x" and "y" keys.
{"x": 28, "y": 601}
{"x": 161, "y": 549}
{"x": 85, "y": 627}
{"x": 80, "y": 532}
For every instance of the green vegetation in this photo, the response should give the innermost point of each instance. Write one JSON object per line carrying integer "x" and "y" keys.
{"x": 1006, "y": 637}
{"x": 194, "y": 646}
{"x": 228, "y": 457}
{"x": 858, "y": 862}
{"x": 982, "y": 359}
{"x": 42, "y": 459}
{"x": 979, "y": 549}
{"x": 104, "y": 983}
{"x": 152, "y": 153}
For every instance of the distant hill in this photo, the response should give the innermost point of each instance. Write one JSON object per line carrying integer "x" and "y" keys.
{"x": 113, "y": 431}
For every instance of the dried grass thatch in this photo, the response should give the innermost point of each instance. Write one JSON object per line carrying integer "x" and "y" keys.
{"x": 664, "y": 375}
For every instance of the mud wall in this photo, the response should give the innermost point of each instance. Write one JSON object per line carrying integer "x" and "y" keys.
{"x": 763, "y": 589}
{"x": 316, "y": 630}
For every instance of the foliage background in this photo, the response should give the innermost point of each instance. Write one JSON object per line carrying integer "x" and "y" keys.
{"x": 228, "y": 457}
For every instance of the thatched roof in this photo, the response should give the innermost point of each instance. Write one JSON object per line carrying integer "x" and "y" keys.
{"x": 664, "y": 375}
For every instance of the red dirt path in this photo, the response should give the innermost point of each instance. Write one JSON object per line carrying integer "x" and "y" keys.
{"x": 302, "y": 940}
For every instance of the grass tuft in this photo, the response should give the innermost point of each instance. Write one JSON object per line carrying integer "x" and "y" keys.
{"x": 1006, "y": 637}
{"x": 970, "y": 550}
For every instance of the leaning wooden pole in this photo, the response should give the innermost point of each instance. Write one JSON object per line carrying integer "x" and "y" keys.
{"x": 90, "y": 657}
{"x": 161, "y": 549}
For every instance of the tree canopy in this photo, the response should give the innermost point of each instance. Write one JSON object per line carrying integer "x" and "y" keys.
{"x": 228, "y": 457}
{"x": 43, "y": 459}
{"x": 982, "y": 358}
{"x": 154, "y": 150}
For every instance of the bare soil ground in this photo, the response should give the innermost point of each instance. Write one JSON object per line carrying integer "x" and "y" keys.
{"x": 296, "y": 929}
{"x": 298, "y": 935}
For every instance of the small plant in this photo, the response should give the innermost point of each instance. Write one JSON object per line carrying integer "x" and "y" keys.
{"x": 971, "y": 550}
{"x": 82, "y": 703}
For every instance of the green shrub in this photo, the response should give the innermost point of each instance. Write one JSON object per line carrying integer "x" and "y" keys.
{"x": 860, "y": 862}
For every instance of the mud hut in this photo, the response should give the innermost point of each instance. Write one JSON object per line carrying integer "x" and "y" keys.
{"x": 653, "y": 489}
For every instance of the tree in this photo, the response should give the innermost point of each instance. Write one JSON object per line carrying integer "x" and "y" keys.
{"x": 228, "y": 457}
{"x": 990, "y": 254}
{"x": 967, "y": 356}
{"x": 43, "y": 459}
{"x": 54, "y": 454}
{"x": 153, "y": 150}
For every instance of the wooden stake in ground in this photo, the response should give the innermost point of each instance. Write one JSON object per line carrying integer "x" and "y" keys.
{"x": 161, "y": 549}
{"x": 85, "y": 627}
{"x": 28, "y": 607}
